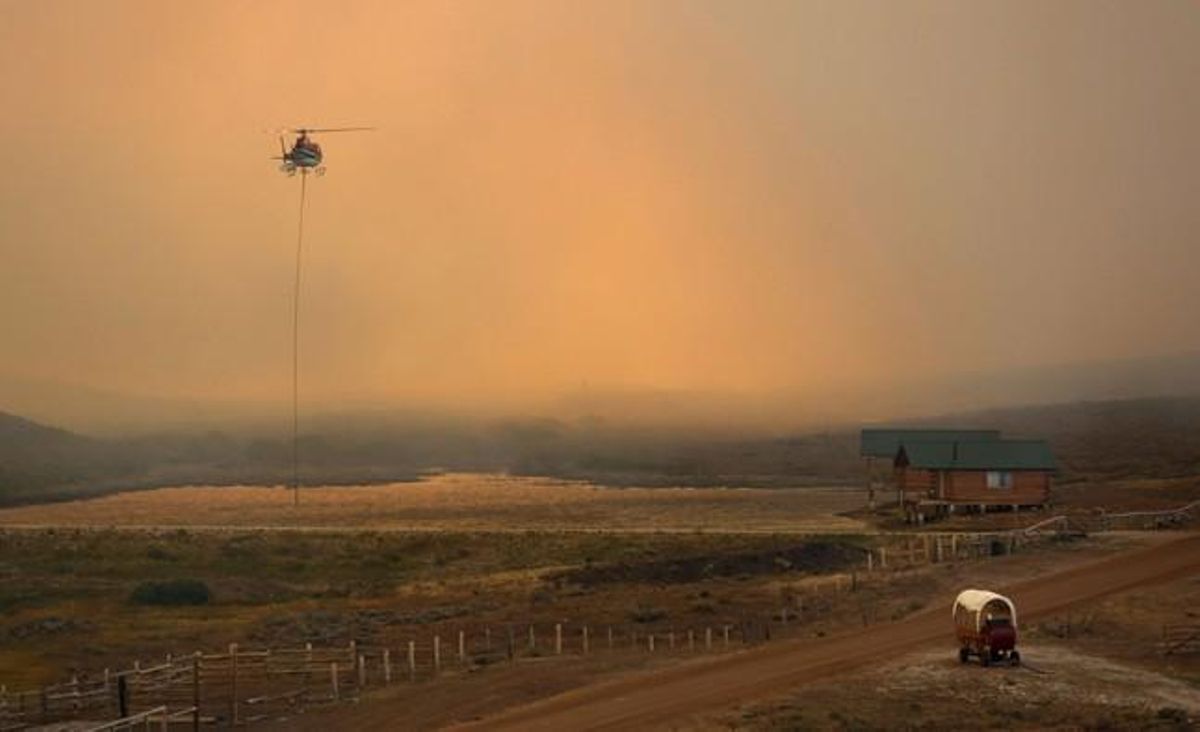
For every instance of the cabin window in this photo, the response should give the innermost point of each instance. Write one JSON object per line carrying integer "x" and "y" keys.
{"x": 999, "y": 479}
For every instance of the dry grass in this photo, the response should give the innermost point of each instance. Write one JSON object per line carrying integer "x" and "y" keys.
{"x": 64, "y": 593}
{"x": 463, "y": 502}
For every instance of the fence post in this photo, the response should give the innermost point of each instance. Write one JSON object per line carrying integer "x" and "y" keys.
{"x": 462, "y": 647}
{"x": 122, "y": 695}
{"x": 726, "y": 629}
{"x": 870, "y": 561}
{"x": 387, "y": 667}
{"x": 437, "y": 655}
{"x": 708, "y": 639}
{"x": 883, "y": 557}
{"x": 671, "y": 639}
{"x": 558, "y": 639}
{"x": 487, "y": 639}
{"x": 651, "y": 643}
{"x": 362, "y": 672}
{"x": 308, "y": 662}
{"x": 107, "y": 685}
{"x": 233, "y": 660}
{"x": 412, "y": 660}
{"x": 195, "y": 691}
{"x": 610, "y": 638}
{"x": 532, "y": 639}
{"x": 333, "y": 679}
{"x": 585, "y": 640}
{"x": 512, "y": 645}
{"x": 691, "y": 640}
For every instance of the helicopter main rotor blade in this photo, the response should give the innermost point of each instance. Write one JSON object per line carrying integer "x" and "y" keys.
{"x": 322, "y": 130}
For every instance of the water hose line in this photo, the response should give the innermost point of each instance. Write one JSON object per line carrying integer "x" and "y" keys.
{"x": 296, "y": 349}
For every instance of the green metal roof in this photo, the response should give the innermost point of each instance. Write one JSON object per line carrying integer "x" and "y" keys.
{"x": 980, "y": 455}
{"x": 884, "y": 443}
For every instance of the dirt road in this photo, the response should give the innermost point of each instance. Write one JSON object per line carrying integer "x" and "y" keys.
{"x": 675, "y": 697}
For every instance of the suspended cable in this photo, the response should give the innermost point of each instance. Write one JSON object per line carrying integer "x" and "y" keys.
{"x": 296, "y": 348}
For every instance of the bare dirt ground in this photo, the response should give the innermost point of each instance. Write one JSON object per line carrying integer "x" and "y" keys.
{"x": 681, "y": 695}
{"x": 700, "y": 693}
{"x": 462, "y": 502}
{"x": 1058, "y": 687}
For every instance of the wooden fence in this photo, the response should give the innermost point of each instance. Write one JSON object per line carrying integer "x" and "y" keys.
{"x": 160, "y": 718}
{"x": 240, "y": 686}
{"x": 1126, "y": 521}
{"x": 908, "y": 551}
{"x": 243, "y": 685}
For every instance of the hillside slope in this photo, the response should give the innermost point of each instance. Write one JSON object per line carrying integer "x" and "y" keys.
{"x": 1141, "y": 438}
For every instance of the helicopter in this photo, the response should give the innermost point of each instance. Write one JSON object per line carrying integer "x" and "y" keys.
{"x": 305, "y": 154}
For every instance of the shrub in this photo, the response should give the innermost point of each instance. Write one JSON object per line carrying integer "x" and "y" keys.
{"x": 171, "y": 592}
{"x": 644, "y": 613}
{"x": 159, "y": 554}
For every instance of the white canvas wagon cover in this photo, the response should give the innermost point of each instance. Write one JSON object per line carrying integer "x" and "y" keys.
{"x": 974, "y": 601}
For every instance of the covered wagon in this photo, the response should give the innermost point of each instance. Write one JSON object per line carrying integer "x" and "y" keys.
{"x": 986, "y": 626}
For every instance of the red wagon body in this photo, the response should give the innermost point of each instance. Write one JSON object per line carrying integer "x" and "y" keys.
{"x": 985, "y": 625}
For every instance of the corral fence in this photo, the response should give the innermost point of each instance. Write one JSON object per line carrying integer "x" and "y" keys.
{"x": 906, "y": 551}
{"x": 242, "y": 686}
{"x": 1125, "y": 521}
{"x": 239, "y": 686}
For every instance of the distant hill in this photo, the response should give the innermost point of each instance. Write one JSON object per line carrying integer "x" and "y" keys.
{"x": 1154, "y": 438}
{"x": 38, "y": 461}
{"x": 1100, "y": 439}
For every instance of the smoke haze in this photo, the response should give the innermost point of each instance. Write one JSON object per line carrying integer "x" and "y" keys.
{"x": 823, "y": 200}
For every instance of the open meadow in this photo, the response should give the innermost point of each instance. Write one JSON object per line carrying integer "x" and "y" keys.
{"x": 463, "y": 502}
{"x": 150, "y": 575}
{"x": 448, "y": 547}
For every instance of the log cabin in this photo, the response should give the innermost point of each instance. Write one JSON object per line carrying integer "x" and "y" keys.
{"x": 878, "y": 447}
{"x": 935, "y": 478}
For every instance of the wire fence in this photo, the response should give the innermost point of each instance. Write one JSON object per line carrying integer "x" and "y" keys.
{"x": 243, "y": 685}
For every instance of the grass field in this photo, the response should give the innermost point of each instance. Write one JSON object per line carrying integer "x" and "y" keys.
{"x": 453, "y": 545}
{"x": 67, "y": 605}
{"x": 464, "y": 502}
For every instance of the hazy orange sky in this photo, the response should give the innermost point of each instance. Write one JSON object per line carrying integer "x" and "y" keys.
{"x": 741, "y": 197}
